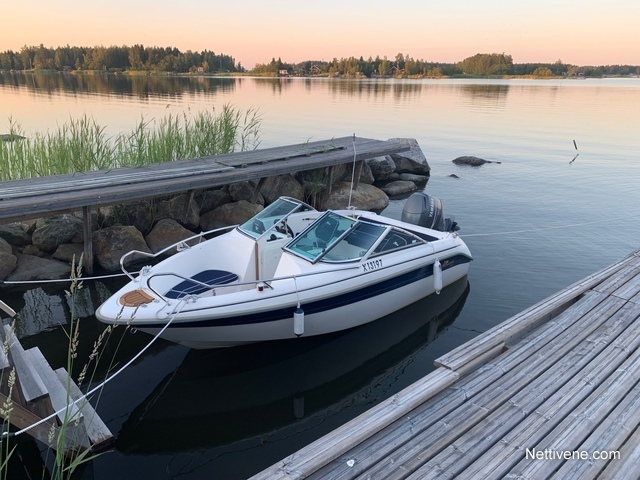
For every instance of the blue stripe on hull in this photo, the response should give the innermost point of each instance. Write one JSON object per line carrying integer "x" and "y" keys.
{"x": 320, "y": 305}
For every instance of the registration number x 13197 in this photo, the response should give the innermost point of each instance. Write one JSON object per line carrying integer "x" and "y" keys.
{"x": 372, "y": 265}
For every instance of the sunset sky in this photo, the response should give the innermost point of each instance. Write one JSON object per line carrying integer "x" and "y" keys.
{"x": 579, "y": 32}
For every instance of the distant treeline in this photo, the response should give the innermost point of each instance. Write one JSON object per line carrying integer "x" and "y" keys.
{"x": 481, "y": 64}
{"x": 114, "y": 59}
{"x": 172, "y": 60}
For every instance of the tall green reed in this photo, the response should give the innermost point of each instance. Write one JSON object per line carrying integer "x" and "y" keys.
{"x": 81, "y": 145}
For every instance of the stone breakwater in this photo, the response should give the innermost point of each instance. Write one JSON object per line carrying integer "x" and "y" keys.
{"x": 44, "y": 249}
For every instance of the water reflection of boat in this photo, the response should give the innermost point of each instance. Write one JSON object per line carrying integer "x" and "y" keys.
{"x": 217, "y": 397}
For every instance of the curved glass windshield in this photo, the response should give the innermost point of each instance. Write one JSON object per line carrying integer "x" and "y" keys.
{"x": 356, "y": 243}
{"x": 257, "y": 225}
{"x": 335, "y": 238}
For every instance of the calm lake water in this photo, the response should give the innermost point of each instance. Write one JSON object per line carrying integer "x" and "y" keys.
{"x": 536, "y": 222}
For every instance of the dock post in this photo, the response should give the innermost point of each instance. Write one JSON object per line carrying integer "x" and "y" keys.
{"x": 88, "y": 240}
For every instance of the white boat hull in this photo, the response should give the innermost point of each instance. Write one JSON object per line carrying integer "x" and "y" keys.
{"x": 298, "y": 297}
{"x": 325, "y": 312}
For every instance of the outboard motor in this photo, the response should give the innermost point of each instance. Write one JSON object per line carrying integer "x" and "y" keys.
{"x": 426, "y": 211}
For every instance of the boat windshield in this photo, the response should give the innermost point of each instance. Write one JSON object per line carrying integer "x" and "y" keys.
{"x": 272, "y": 215}
{"x": 335, "y": 238}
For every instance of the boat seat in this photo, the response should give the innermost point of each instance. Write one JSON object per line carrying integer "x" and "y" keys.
{"x": 210, "y": 277}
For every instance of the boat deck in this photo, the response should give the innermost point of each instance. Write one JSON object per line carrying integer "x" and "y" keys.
{"x": 551, "y": 392}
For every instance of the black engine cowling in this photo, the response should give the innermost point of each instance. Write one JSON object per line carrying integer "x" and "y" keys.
{"x": 427, "y": 211}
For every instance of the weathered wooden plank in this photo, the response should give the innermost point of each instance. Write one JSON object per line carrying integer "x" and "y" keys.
{"x": 325, "y": 449}
{"x": 470, "y": 443}
{"x": 569, "y": 435}
{"x": 609, "y": 435}
{"x": 471, "y": 399}
{"x": 69, "y": 414}
{"x": 583, "y": 400}
{"x": 629, "y": 289}
{"x": 22, "y": 418}
{"x": 527, "y": 320}
{"x": 627, "y": 273}
{"x": 480, "y": 360}
{"x": 31, "y": 386}
{"x": 34, "y": 197}
{"x": 211, "y": 164}
{"x": 627, "y": 465}
{"x": 98, "y": 432}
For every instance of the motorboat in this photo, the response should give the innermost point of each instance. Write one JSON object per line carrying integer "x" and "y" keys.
{"x": 291, "y": 271}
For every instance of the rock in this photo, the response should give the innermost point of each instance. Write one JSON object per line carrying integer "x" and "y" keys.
{"x": 212, "y": 199}
{"x": 33, "y": 250}
{"x": 111, "y": 243}
{"x": 244, "y": 191}
{"x": 419, "y": 180}
{"x": 8, "y": 260}
{"x": 279, "y": 186}
{"x": 53, "y": 231}
{"x": 166, "y": 233}
{"x": 35, "y": 268}
{"x": 67, "y": 251}
{"x": 105, "y": 217}
{"x": 229, "y": 214}
{"x": 412, "y": 161}
{"x": 16, "y": 234}
{"x": 470, "y": 160}
{"x": 140, "y": 215}
{"x": 381, "y": 167}
{"x": 176, "y": 209}
{"x": 4, "y": 246}
{"x": 366, "y": 176}
{"x": 400, "y": 187}
{"x": 366, "y": 197}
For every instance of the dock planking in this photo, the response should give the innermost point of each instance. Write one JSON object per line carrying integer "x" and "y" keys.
{"x": 561, "y": 378}
{"x": 30, "y": 198}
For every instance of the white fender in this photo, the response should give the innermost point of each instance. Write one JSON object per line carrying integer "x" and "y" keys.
{"x": 298, "y": 321}
{"x": 437, "y": 276}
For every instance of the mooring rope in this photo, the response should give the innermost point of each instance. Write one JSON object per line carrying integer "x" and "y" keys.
{"x": 353, "y": 170}
{"x": 101, "y": 385}
{"x": 62, "y": 280}
{"x": 557, "y": 227}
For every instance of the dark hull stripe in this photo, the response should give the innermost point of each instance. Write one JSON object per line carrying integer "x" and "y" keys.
{"x": 320, "y": 305}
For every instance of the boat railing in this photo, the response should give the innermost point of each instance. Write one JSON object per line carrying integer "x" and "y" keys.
{"x": 266, "y": 283}
{"x": 181, "y": 245}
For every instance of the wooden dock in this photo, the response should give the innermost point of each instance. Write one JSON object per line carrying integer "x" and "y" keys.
{"x": 37, "y": 392}
{"x": 36, "y": 197}
{"x": 551, "y": 392}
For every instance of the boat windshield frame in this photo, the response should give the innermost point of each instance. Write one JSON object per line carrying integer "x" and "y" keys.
{"x": 321, "y": 240}
{"x": 276, "y": 214}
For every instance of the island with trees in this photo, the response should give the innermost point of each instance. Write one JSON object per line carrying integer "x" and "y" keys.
{"x": 169, "y": 60}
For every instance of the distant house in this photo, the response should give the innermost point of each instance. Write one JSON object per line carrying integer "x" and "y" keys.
{"x": 200, "y": 69}
{"x": 283, "y": 73}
